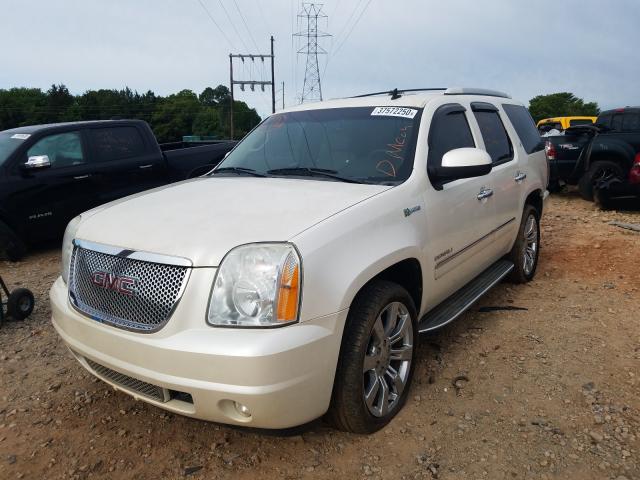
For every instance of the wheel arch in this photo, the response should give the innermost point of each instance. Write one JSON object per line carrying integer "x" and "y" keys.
{"x": 613, "y": 152}
{"x": 407, "y": 273}
{"x": 535, "y": 199}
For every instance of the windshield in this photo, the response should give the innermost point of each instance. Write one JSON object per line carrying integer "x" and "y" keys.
{"x": 9, "y": 142}
{"x": 363, "y": 144}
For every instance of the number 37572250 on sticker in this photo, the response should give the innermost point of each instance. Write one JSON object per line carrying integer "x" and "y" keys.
{"x": 394, "y": 112}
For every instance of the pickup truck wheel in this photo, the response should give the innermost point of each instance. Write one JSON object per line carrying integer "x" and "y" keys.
{"x": 598, "y": 171}
{"x": 376, "y": 361}
{"x": 526, "y": 250}
{"x": 10, "y": 244}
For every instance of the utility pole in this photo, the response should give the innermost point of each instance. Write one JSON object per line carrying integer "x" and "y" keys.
{"x": 231, "y": 89}
{"x": 283, "y": 95}
{"x": 312, "y": 87}
{"x": 252, "y": 83}
{"x": 273, "y": 80}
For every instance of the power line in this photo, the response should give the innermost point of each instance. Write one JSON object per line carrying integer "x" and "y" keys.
{"x": 352, "y": 28}
{"x": 264, "y": 18}
{"x": 246, "y": 26}
{"x": 233, "y": 25}
{"x": 344, "y": 27}
{"x": 216, "y": 24}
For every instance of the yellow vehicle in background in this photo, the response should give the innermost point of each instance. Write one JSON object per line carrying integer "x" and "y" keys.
{"x": 562, "y": 123}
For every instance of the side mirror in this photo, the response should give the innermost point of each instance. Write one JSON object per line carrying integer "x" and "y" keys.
{"x": 37, "y": 162}
{"x": 463, "y": 163}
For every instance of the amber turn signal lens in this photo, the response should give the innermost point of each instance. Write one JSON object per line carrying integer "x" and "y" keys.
{"x": 289, "y": 290}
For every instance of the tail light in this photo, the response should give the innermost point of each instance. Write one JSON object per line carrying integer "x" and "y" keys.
{"x": 550, "y": 150}
{"x": 634, "y": 174}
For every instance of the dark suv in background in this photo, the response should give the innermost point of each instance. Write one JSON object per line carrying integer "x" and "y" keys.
{"x": 603, "y": 160}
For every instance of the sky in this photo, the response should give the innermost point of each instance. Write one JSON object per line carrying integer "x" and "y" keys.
{"x": 523, "y": 47}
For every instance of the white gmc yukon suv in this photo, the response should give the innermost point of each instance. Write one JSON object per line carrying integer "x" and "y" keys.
{"x": 293, "y": 280}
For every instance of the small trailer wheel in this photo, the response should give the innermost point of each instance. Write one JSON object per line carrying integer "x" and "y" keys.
{"x": 20, "y": 304}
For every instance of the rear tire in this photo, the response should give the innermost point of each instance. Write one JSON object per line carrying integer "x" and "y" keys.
{"x": 526, "y": 250}
{"x": 600, "y": 170}
{"x": 377, "y": 359}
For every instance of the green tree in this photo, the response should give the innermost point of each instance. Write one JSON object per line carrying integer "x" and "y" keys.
{"x": 561, "y": 104}
{"x": 175, "y": 116}
{"x": 59, "y": 100}
{"x": 171, "y": 117}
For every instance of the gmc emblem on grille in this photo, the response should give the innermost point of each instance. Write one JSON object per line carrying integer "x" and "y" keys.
{"x": 117, "y": 283}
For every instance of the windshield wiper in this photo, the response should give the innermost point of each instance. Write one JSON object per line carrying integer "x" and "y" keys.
{"x": 313, "y": 172}
{"x": 240, "y": 170}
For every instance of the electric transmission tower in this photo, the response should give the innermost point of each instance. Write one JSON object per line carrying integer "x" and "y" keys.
{"x": 309, "y": 14}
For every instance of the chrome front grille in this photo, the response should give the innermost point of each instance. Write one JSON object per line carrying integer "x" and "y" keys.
{"x": 138, "y": 386}
{"x": 122, "y": 289}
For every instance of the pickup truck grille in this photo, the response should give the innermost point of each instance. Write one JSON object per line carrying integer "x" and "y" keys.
{"x": 127, "y": 293}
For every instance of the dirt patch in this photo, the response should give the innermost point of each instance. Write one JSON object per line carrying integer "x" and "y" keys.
{"x": 551, "y": 392}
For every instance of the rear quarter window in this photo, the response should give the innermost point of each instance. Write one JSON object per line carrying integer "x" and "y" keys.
{"x": 581, "y": 121}
{"x": 116, "y": 143}
{"x": 525, "y": 127}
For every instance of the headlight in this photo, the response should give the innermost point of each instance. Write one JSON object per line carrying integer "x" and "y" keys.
{"x": 67, "y": 246}
{"x": 257, "y": 285}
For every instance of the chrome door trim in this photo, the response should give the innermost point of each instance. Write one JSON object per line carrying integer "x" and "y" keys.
{"x": 454, "y": 255}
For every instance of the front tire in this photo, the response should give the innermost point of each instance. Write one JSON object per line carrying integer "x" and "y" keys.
{"x": 526, "y": 250}
{"x": 377, "y": 359}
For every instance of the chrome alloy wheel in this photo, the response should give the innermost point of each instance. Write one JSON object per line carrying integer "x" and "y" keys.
{"x": 387, "y": 360}
{"x": 530, "y": 244}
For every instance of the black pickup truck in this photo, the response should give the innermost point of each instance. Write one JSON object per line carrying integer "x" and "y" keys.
{"x": 603, "y": 159}
{"x": 51, "y": 173}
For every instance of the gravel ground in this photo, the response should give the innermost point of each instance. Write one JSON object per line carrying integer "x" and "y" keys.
{"x": 550, "y": 389}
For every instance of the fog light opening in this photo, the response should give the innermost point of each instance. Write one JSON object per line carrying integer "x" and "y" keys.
{"x": 242, "y": 409}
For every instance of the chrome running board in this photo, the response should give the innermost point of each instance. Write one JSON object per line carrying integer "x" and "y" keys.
{"x": 454, "y": 306}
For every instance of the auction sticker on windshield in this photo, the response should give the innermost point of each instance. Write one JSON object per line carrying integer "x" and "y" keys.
{"x": 394, "y": 112}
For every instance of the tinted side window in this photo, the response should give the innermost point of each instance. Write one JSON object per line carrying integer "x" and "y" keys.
{"x": 525, "y": 127}
{"x": 496, "y": 140}
{"x": 63, "y": 149}
{"x": 631, "y": 122}
{"x": 116, "y": 143}
{"x": 616, "y": 122}
{"x": 449, "y": 130}
{"x": 580, "y": 121}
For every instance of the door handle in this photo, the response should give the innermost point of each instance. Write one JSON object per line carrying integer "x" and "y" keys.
{"x": 484, "y": 193}
{"x": 81, "y": 177}
{"x": 141, "y": 167}
{"x": 519, "y": 177}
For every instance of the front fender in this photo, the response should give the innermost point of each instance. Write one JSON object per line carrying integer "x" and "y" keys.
{"x": 341, "y": 254}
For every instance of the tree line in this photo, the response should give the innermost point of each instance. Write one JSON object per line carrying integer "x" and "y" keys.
{"x": 170, "y": 117}
{"x": 185, "y": 112}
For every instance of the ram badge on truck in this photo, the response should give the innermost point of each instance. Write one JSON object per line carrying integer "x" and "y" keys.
{"x": 294, "y": 280}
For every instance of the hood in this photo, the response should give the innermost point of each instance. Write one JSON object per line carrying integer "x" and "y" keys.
{"x": 202, "y": 219}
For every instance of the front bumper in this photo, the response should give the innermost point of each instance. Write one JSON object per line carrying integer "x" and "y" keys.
{"x": 284, "y": 376}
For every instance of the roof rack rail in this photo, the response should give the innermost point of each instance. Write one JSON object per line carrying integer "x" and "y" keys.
{"x": 475, "y": 91}
{"x": 395, "y": 92}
